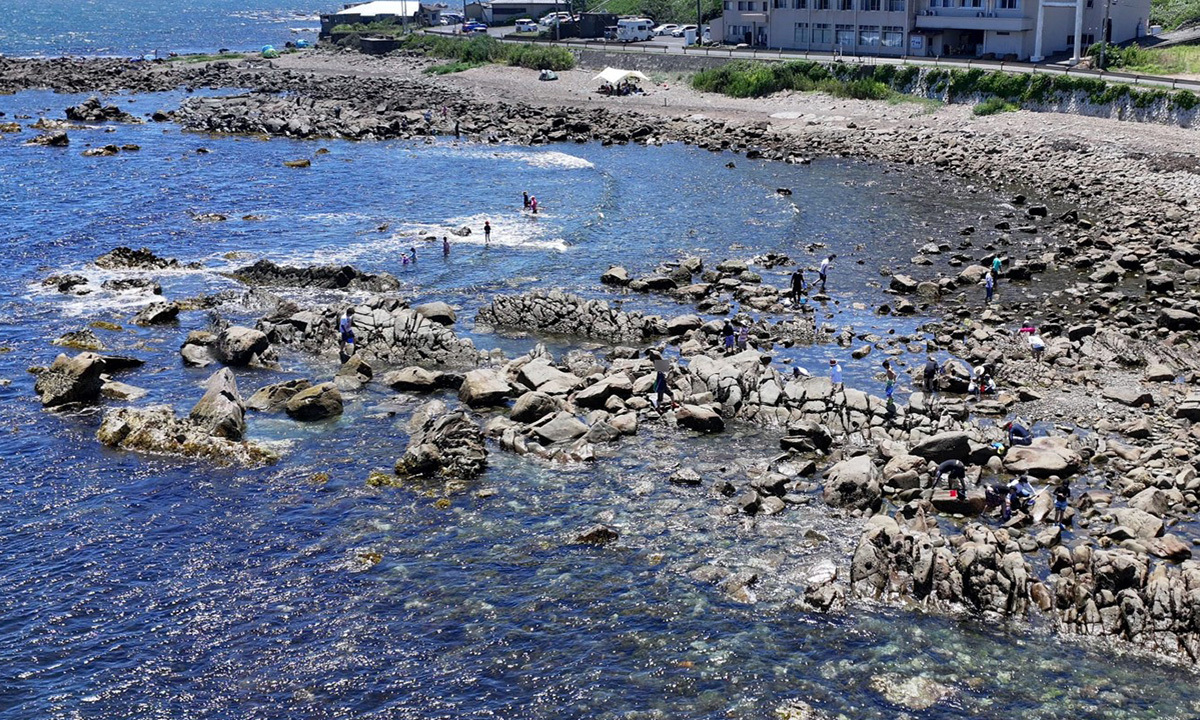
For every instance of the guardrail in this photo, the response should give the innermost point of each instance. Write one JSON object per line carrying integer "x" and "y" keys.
{"x": 779, "y": 55}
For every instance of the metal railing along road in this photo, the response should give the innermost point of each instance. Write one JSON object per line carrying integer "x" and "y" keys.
{"x": 779, "y": 55}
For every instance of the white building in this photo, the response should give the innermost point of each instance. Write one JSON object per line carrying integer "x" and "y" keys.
{"x": 1000, "y": 29}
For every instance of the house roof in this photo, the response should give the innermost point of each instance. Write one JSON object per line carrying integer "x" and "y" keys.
{"x": 384, "y": 7}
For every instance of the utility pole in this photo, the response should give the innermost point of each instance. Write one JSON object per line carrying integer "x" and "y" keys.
{"x": 699, "y": 24}
{"x": 1104, "y": 36}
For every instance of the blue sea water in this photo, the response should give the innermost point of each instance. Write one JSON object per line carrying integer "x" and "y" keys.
{"x": 138, "y": 587}
{"x": 133, "y": 28}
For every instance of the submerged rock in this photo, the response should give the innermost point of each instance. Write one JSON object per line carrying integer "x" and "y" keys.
{"x": 125, "y": 258}
{"x": 274, "y": 398}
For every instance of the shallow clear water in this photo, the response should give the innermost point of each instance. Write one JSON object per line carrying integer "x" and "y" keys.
{"x": 141, "y": 587}
{"x": 133, "y": 28}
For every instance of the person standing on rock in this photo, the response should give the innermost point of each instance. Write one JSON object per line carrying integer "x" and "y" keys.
{"x": 954, "y": 473}
{"x": 835, "y": 373}
{"x": 823, "y": 270}
{"x": 346, "y": 333}
{"x": 487, "y": 232}
{"x": 1062, "y": 498}
{"x": 996, "y": 265}
{"x": 662, "y": 367}
{"x": 989, "y": 285}
{"x": 798, "y": 286}
{"x": 1018, "y": 435}
{"x": 930, "y": 375}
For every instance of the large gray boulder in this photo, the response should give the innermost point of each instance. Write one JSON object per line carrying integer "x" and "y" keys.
{"x": 1140, "y": 523}
{"x": 220, "y": 411}
{"x": 542, "y": 376}
{"x": 414, "y": 379}
{"x": 597, "y": 394}
{"x": 1045, "y": 457}
{"x": 699, "y": 418}
{"x": 533, "y": 406}
{"x": 353, "y": 374}
{"x": 158, "y": 431}
{"x": 274, "y": 398}
{"x": 563, "y": 427}
{"x": 442, "y": 444}
{"x": 239, "y": 346}
{"x": 438, "y": 312}
{"x": 944, "y": 446}
{"x": 319, "y": 402}
{"x": 71, "y": 380}
{"x": 854, "y": 483}
{"x": 159, "y": 313}
{"x": 483, "y": 387}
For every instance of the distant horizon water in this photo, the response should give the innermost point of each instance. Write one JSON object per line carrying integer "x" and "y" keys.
{"x": 135, "y": 28}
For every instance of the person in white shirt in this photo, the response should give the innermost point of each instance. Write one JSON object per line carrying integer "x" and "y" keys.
{"x": 835, "y": 373}
{"x": 823, "y": 271}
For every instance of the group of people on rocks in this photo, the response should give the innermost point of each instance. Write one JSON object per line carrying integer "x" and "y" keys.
{"x": 798, "y": 287}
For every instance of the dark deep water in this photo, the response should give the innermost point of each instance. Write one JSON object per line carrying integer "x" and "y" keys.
{"x": 153, "y": 588}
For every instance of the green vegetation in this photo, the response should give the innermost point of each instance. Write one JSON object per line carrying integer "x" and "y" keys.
{"x": 484, "y": 49}
{"x": 994, "y": 91}
{"x": 994, "y": 105}
{"x": 1172, "y": 14}
{"x": 665, "y": 11}
{"x": 1178, "y": 60}
{"x": 206, "y": 58}
{"x": 452, "y": 67}
{"x": 380, "y": 28}
{"x": 1121, "y": 57}
{"x": 751, "y": 79}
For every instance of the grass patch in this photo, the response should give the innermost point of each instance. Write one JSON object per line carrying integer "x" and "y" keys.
{"x": 381, "y": 28}
{"x": 484, "y": 49}
{"x": 1178, "y": 60}
{"x": 452, "y": 67}
{"x": 994, "y": 105}
{"x": 929, "y": 105}
{"x": 1173, "y": 13}
{"x": 747, "y": 79}
{"x": 205, "y": 58}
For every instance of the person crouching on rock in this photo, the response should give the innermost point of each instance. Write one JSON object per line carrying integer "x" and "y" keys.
{"x": 1017, "y": 434}
{"x": 955, "y": 473}
{"x": 346, "y": 332}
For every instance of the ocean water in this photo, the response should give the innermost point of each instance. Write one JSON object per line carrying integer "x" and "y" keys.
{"x": 143, "y": 587}
{"x": 133, "y": 28}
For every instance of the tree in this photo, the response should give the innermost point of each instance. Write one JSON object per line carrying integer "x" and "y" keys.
{"x": 660, "y": 11}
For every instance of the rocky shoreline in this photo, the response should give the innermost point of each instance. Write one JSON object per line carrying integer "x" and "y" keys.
{"x": 1119, "y": 363}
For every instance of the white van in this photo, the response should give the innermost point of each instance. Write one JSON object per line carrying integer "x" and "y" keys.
{"x": 635, "y": 29}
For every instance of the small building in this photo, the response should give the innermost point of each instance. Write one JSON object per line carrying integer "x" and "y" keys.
{"x": 592, "y": 24}
{"x": 994, "y": 29}
{"x": 503, "y": 12}
{"x": 410, "y": 12}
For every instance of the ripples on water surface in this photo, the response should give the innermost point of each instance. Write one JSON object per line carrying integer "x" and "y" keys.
{"x": 151, "y": 588}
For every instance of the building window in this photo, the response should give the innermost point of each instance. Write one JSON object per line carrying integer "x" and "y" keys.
{"x": 868, "y": 35}
{"x": 800, "y": 34}
{"x": 845, "y": 4}
{"x": 728, "y": 4}
{"x": 893, "y": 37}
{"x": 844, "y": 35}
{"x": 895, "y": 5}
{"x": 871, "y": 5}
{"x": 780, "y": 4}
{"x": 799, "y": 4}
{"x": 1008, "y": 4}
{"x": 821, "y": 34}
{"x": 1088, "y": 40}
{"x": 741, "y": 5}
{"x": 973, "y": 3}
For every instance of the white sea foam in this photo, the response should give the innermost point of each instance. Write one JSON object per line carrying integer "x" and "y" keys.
{"x": 544, "y": 159}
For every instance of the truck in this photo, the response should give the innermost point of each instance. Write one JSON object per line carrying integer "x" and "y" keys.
{"x": 635, "y": 29}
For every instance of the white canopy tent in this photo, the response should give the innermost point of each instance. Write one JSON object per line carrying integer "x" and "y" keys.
{"x": 613, "y": 76}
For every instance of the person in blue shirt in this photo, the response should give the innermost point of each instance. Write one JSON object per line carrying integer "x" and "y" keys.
{"x": 835, "y": 373}
{"x": 346, "y": 333}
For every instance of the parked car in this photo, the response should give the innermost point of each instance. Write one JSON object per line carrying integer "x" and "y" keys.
{"x": 472, "y": 27}
{"x": 526, "y": 25}
{"x": 682, "y": 30}
{"x": 554, "y": 18}
{"x": 665, "y": 29}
